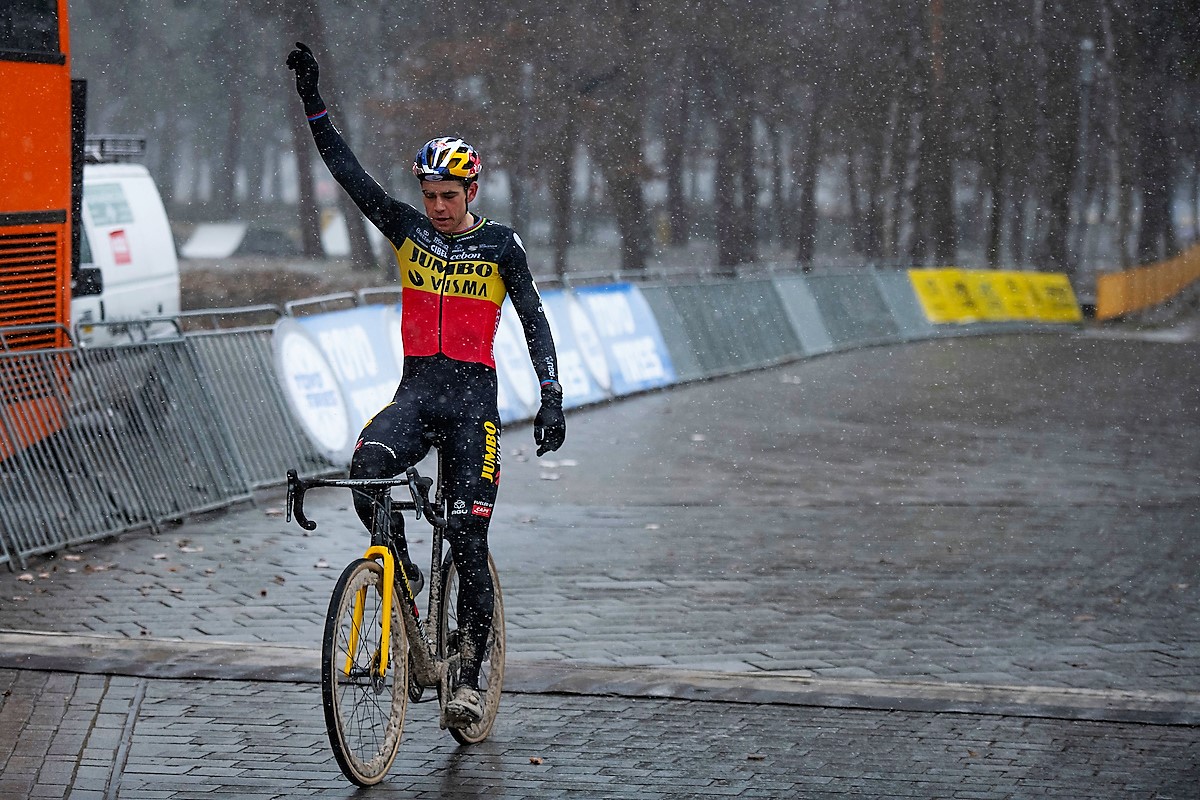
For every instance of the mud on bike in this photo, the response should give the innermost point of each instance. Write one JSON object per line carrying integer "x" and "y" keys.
{"x": 377, "y": 653}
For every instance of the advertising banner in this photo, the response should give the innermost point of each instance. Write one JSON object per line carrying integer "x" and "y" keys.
{"x": 1015, "y": 294}
{"x": 628, "y": 332}
{"x": 987, "y": 289}
{"x": 944, "y": 295}
{"x": 338, "y": 370}
{"x": 964, "y": 296}
{"x": 1054, "y": 299}
{"x": 582, "y": 366}
{"x": 519, "y": 395}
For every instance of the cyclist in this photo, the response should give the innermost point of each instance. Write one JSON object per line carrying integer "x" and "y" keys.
{"x": 456, "y": 269}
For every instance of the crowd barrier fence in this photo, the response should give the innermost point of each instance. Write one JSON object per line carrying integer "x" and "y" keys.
{"x": 149, "y": 433}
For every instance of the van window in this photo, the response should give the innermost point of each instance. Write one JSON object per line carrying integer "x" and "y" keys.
{"x": 107, "y": 204}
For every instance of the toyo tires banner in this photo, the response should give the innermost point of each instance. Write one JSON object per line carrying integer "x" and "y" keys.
{"x": 338, "y": 369}
{"x": 629, "y": 336}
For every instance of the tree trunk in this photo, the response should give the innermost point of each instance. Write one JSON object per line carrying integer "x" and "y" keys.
{"x": 674, "y": 135}
{"x": 616, "y": 140}
{"x": 562, "y": 159}
{"x": 1062, "y": 133}
{"x": 726, "y": 179}
{"x": 1156, "y": 180}
{"x": 935, "y": 166}
{"x": 806, "y": 190}
{"x": 309, "y": 220}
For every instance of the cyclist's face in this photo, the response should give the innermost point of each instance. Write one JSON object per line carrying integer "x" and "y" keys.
{"x": 446, "y": 204}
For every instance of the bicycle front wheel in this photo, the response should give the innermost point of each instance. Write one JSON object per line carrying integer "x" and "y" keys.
{"x": 491, "y": 675}
{"x": 364, "y": 710}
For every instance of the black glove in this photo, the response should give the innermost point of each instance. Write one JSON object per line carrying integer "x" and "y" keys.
{"x": 550, "y": 426}
{"x": 304, "y": 64}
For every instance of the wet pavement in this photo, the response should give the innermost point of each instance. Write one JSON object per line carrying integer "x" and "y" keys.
{"x": 960, "y": 568}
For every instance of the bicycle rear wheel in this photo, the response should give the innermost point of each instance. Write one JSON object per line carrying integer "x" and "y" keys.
{"x": 491, "y": 674}
{"x": 364, "y": 711}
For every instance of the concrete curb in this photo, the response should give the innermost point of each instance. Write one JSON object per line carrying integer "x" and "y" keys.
{"x": 236, "y": 661}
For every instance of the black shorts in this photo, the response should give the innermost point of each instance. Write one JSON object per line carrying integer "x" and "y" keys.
{"x": 450, "y": 405}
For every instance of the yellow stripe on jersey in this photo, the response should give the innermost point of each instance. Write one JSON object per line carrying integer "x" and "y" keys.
{"x": 425, "y": 272}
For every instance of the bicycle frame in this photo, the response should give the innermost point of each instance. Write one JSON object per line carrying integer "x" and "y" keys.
{"x": 427, "y": 669}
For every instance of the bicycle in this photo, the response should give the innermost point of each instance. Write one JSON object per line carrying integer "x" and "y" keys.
{"x": 377, "y": 654}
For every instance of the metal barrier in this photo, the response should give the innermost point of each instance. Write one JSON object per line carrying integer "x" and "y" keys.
{"x": 733, "y": 325}
{"x": 855, "y": 313}
{"x": 147, "y": 433}
{"x": 237, "y": 367}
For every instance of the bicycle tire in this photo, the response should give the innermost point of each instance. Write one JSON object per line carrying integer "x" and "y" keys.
{"x": 364, "y": 716}
{"x": 491, "y": 674}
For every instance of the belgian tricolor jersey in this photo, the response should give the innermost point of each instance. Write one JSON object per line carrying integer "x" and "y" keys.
{"x": 453, "y": 285}
{"x": 454, "y": 288}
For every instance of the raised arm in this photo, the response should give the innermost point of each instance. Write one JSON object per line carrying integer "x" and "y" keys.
{"x": 383, "y": 211}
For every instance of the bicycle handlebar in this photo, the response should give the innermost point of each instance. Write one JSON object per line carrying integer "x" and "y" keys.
{"x": 418, "y": 487}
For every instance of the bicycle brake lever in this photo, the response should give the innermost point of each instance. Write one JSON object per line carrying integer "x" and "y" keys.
{"x": 414, "y": 489}
{"x": 295, "y": 501}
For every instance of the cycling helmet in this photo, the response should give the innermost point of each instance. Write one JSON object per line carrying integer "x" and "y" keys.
{"x": 447, "y": 158}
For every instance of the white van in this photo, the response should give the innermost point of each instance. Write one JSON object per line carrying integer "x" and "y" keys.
{"x": 128, "y": 267}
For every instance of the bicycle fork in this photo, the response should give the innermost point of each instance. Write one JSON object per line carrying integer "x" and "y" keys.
{"x": 360, "y": 600}
{"x": 426, "y": 674}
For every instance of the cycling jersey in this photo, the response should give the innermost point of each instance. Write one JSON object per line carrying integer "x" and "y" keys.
{"x": 453, "y": 284}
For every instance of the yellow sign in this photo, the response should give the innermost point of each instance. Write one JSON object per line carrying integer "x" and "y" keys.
{"x": 943, "y": 295}
{"x": 1055, "y": 299}
{"x": 963, "y": 296}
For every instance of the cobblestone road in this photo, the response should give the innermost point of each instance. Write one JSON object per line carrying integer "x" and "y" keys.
{"x": 1016, "y": 512}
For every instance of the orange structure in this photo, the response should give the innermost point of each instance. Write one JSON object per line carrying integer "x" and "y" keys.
{"x": 40, "y": 176}
{"x": 1141, "y": 288}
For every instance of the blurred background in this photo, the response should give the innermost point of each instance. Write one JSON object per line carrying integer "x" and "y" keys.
{"x": 629, "y": 134}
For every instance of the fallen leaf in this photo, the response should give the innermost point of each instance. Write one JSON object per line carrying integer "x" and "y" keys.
{"x": 535, "y": 760}
{"x": 280, "y": 579}
{"x": 262, "y": 592}
{"x": 26, "y": 577}
{"x": 72, "y": 557}
{"x": 159, "y": 556}
{"x": 186, "y": 549}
